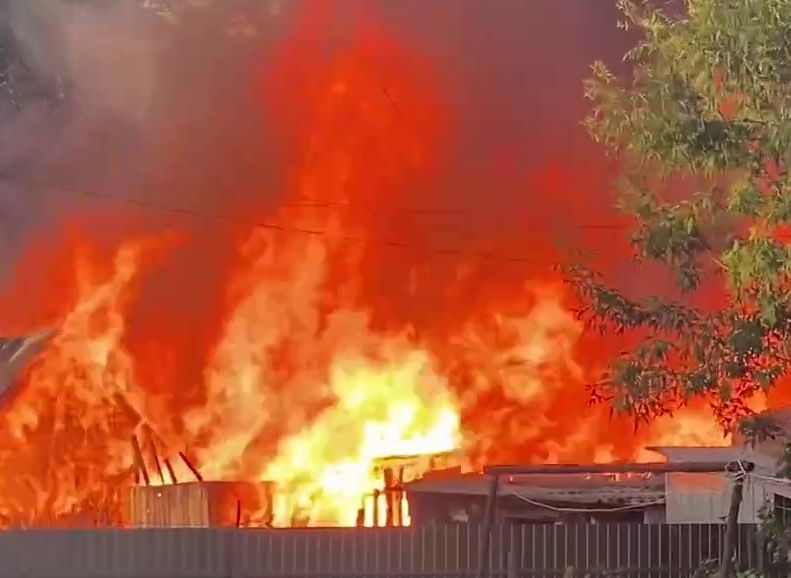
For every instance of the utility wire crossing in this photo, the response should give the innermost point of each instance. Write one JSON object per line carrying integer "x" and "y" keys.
{"x": 288, "y": 228}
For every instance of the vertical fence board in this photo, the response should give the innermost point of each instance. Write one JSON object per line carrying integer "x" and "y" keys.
{"x": 644, "y": 551}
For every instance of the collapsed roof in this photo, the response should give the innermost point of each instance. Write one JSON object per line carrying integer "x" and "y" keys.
{"x": 15, "y": 353}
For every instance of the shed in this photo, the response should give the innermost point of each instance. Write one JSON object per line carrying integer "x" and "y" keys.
{"x": 201, "y": 505}
{"x": 694, "y": 498}
{"x": 540, "y": 498}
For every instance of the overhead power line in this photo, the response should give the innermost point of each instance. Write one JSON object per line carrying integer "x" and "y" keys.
{"x": 312, "y": 203}
{"x": 296, "y": 229}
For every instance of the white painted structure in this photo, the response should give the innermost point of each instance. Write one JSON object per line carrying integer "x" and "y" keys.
{"x": 705, "y": 498}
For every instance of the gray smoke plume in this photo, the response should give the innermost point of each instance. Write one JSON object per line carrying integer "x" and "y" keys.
{"x": 152, "y": 100}
{"x": 78, "y": 80}
{"x": 98, "y": 96}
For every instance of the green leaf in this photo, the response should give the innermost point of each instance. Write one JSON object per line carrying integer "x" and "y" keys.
{"x": 768, "y": 311}
{"x": 702, "y": 130}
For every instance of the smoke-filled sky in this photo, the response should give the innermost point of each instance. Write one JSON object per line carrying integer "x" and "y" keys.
{"x": 173, "y": 101}
{"x": 432, "y": 151}
{"x": 196, "y": 113}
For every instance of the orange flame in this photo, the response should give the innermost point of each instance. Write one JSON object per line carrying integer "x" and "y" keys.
{"x": 311, "y": 379}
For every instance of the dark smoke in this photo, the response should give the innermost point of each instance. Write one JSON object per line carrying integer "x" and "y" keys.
{"x": 161, "y": 107}
{"x": 123, "y": 102}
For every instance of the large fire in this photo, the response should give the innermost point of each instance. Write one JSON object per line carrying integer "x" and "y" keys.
{"x": 310, "y": 378}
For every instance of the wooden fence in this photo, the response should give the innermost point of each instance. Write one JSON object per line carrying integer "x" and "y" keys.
{"x": 644, "y": 551}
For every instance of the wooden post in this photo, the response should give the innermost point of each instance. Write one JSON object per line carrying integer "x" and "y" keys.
{"x": 156, "y": 461}
{"x": 192, "y": 468}
{"x": 399, "y": 499}
{"x": 139, "y": 461}
{"x": 488, "y": 522}
{"x": 732, "y": 527}
{"x": 375, "y": 509}
{"x": 389, "y": 498}
{"x": 170, "y": 471}
{"x": 361, "y": 517}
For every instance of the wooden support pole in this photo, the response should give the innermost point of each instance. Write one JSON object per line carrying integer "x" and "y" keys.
{"x": 156, "y": 461}
{"x": 361, "y": 514}
{"x": 732, "y": 527}
{"x": 488, "y": 522}
{"x": 375, "y": 509}
{"x": 139, "y": 462}
{"x": 402, "y": 499}
{"x": 398, "y": 498}
{"x": 389, "y": 497}
{"x": 192, "y": 468}
{"x": 172, "y": 474}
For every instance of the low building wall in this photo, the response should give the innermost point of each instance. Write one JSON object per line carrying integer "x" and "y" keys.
{"x": 201, "y": 505}
{"x": 706, "y": 498}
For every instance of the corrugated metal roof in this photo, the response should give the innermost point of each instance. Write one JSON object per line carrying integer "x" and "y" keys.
{"x": 15, "y": 354}
{"x": 703, "y": 454}
{"x": 9, "y": 347}
{"x": 777, "y": 486}
{"x": 577, "y": 489}
{"x": 674, "y": 454}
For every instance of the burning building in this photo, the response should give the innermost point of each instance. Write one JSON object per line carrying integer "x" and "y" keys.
{"x": 690, "y": 486}
{"x": 200, "y": 505}
{"x": 317, "y": 267}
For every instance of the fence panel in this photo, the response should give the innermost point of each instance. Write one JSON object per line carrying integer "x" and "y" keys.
{"x": 538, "y": 551}
{"x": 115, "y": 554}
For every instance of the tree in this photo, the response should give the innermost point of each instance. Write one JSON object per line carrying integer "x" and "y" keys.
{"x": 707, "y": 103}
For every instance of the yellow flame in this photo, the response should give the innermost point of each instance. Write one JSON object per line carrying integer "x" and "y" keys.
{"x": 398, "y": 408}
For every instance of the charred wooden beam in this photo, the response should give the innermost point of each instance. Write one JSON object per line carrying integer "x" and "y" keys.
{"x": 389, "y": 497}
{"x": 170, "y": 471}
{"x": 156, "y": 460}
{"x": 360, "y": 523}
{"x": 140, "y": 463}
{"x": 192, "y": 468}
{"x": 375, "y": 508}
